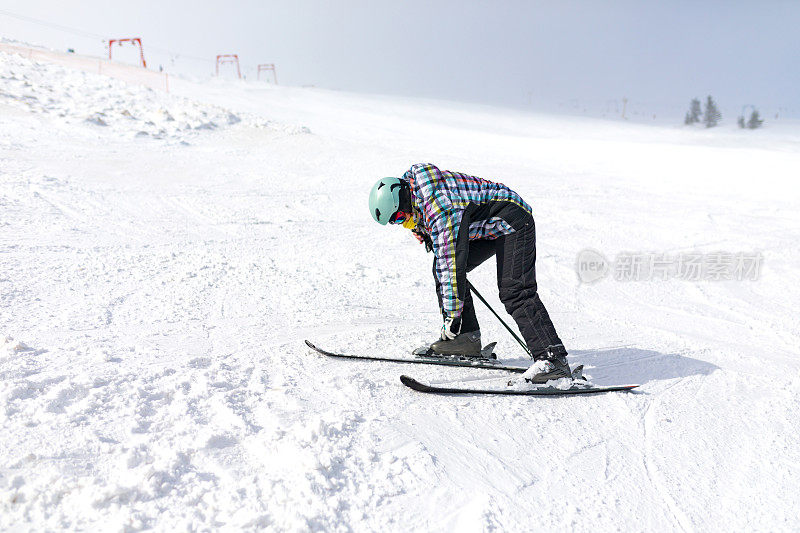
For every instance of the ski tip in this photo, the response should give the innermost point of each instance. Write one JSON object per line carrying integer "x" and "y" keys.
{"x": 413, "y": 383}
{"x": 407, "y": 381}
{"x": 318, "y": 350}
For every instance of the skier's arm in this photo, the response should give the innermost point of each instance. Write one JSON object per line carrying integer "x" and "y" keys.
{"x": 443, "y": 219}
{"x": 444, "y": 248}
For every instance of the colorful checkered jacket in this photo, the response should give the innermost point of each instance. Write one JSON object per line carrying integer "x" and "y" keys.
{"x": 447, "y": 202}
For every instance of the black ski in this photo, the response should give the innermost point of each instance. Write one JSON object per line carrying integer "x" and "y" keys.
{"x": 485, "y": 363}
{"x": 542, "y": 391}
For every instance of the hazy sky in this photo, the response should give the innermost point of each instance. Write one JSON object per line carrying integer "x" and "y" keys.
{"x": 508, "y": 52}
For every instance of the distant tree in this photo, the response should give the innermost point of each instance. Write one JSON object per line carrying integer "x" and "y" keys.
{"x": 740, "y": 121}
{"x": 695, "y": 109}
{"x": 712, "y": 116}
{"x": 693, "y": 115}
{"x": 755, "y": 121}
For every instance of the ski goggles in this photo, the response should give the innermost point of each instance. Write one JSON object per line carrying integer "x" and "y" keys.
{"x": 398, "y": 218}
{"x": 406, "y": 219}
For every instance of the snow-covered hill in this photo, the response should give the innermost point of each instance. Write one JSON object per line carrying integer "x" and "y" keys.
{"x": 155, "y": 291}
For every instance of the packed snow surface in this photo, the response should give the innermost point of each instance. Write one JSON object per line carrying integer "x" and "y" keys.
{"x": 158, "y": 276}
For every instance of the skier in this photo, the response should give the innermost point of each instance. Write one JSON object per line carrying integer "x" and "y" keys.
{"x": 465, "y": 220}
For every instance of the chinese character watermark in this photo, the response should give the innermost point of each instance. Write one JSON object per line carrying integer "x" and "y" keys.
{"x": 592, "y": 266}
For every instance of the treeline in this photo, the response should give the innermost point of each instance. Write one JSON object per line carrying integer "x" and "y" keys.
{"x": 711, "y": 116}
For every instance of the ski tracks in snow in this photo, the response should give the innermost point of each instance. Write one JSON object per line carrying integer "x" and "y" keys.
{"x": 654, "y": 472}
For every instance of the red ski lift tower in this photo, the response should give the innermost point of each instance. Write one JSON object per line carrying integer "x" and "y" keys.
{"x": 266, "y": 67}
{"x": 135, "y": 41}
{"x": 222, "y": 59}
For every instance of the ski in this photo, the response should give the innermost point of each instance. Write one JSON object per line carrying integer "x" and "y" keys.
{"x": 484, "y": 363}
{"x": 542, "y": 391}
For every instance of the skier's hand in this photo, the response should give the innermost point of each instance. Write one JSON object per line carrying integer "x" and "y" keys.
{"x": 451, "y": 328}
{"x": 423, "y": 238}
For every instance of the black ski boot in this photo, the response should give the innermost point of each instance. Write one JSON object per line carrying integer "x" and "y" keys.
{"x": 465, "y": 345}
{"x": 552, "y": 364}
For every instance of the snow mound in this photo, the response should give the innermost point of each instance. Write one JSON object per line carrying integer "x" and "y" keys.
{"x": 96, "y": 100}
{"x": 14, "y": 347}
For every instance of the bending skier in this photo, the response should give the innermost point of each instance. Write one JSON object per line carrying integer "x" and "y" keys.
{"x": 465, "y": 220}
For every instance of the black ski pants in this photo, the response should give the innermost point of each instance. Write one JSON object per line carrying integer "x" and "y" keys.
{"x": 516, "y": 279}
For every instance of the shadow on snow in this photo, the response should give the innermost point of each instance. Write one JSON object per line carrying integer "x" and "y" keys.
{"x": 634, "y": 365}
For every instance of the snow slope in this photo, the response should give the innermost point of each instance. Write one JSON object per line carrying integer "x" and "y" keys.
{"x": 155, "y": 291}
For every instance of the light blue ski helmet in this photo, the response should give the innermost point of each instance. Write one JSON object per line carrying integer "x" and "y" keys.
{"x": 384, "y": 199}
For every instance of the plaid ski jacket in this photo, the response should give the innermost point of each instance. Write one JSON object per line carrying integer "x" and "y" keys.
{"x": 448, "y": 202}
